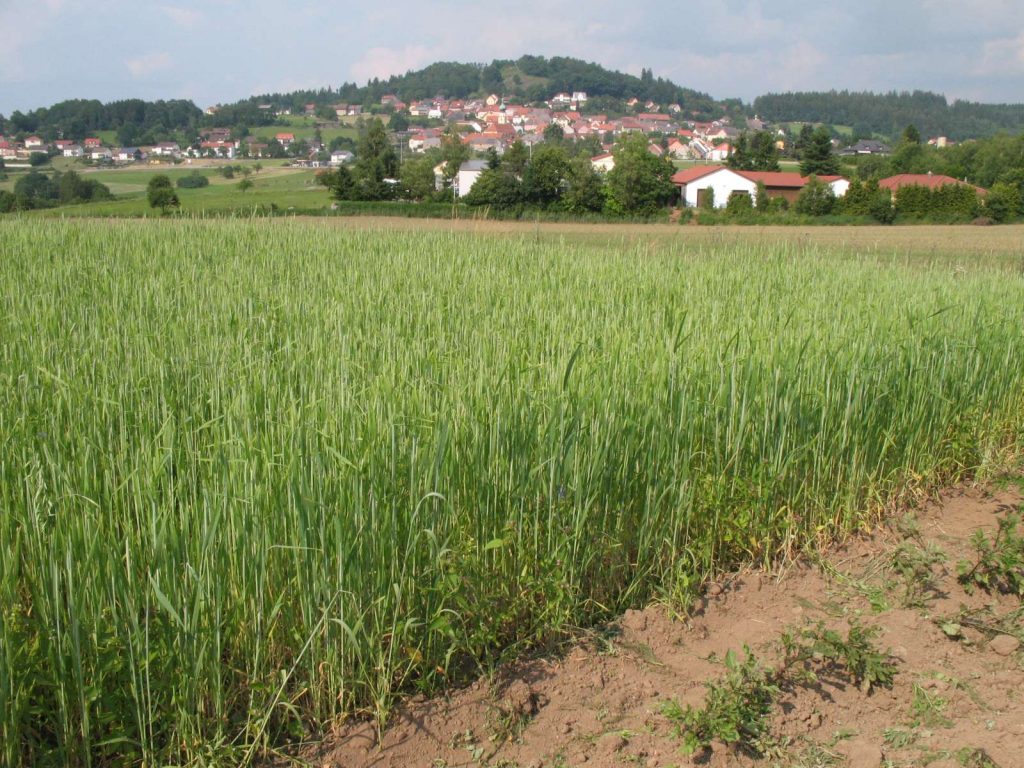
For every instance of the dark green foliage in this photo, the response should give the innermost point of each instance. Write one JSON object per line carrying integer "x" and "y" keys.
{"x": 999, "y": 561}
{"x": 37, "y": 159}
{"x": 340, "y": 182}
{"x": 160, "y": 193}
{"x": 739, "y": 205}
{"x": 72, "y": 188}
{"x": 816, "y": 198}
{"x": 497, "y": 187}
{"x": 887, "y": 114}
{"x": 755, "y": 153}
{"x": 584, "y": 187}
{"x": 37, "y": 189}
{"x": 8, "y": 201}
{"x": 194, "y": 180}
{"x": 1004, "y": 202}
{"x": 949, "y": 201}
{"x": 818, "y": 159}
{"x": 417, "y": 176}
{"x": 544, "y": 178}
{"x": 866, "y": 198}
{"x": 640, "y": 183}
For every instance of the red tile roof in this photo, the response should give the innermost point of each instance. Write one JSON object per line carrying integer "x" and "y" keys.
{"x": 932, "y": 181}
{"x": 692, "y": 174}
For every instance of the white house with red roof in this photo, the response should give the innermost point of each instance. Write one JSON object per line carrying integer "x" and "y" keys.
{"x": 695, "y": 183}
{"x": 34, "y": 142}
{"x": 603, "y": 163}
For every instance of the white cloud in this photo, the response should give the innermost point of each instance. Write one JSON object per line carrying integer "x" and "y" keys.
{"x": 143, "y": 66}
{"x": 183, "y": 17}
{"x": 1002, "y": 57}
{"x": 384, "y": 62}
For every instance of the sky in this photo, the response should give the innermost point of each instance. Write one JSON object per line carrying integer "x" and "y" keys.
{"x": 219, "y": 51}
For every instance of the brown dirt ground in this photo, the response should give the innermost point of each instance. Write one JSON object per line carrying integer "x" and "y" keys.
{"x": 600, "y": 704}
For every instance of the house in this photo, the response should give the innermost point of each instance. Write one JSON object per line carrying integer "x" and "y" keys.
{"x": 167, "y": 149}
{"x": 603, "y": 163}
{"x": 73, "y": 150}
{"x": 100, "y": 154}
{"x": 341, "y": 157}
{"x": 720, "y": 153}
{"x": 579, "y": 97}
{"x": 92, "y": 143}
{"x": 34, "y": 142}
{"x": 682, "y": 150}
{"x": 656, "y": 150}
{"x": 788, "y": 185}
{"x": 468, "y": 173}
{"x": 867, "y": 147}
{"x": 695, "y": 184}
{"x": 128, "y": 155}
{"x": 285, "y": 139}
{"x": 930, "y": 180}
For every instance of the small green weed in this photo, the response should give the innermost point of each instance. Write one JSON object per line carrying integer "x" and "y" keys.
{"x": 928, "y": 709}
{"x": 916, "y": 565}
{"x": 736, "y": 710}
{"x": 970, "y": 757}
{"x": 999, "y": 564}
{"x": 857, "y": 654}
{"x": 898, "y": 738}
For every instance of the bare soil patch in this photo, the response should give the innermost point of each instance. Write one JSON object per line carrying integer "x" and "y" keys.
{"x": 957, "y": 698}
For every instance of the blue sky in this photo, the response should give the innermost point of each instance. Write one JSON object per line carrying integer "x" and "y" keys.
{"x": 222, "y": 50}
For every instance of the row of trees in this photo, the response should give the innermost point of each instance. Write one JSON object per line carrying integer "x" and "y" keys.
{"x": 550, "y": 176}
{"x": 887, "y": 113}
{"x": 40, "y": 190}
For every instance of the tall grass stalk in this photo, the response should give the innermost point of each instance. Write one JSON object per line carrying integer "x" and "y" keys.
{"x": 258, "y": 475}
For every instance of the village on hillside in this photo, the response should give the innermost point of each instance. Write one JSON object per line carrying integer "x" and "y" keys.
{"x": 702, "y": 151}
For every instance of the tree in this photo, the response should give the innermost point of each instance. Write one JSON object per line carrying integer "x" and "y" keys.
{"x": 417, "y": 176}
{"x": 453, "y": 152}
{"x": 544, "y": 177}
{"x": 35, "y": 190}
{"x": 1003, "y": 202}
{"x": 818, "y": 159}
{"x": 764, "y": 155}
{"x": 376, "y": 164}
{"x": 516, "y": 158}
{"x": 399, "y": 122}
{"x": 497, "y": 187}
{"x": 554, "y": 134}
{"x": 740, "y": 159}
{"x": 160, "y": 193}
{"x": 816, "y": 198}
{"x": 245, "y": 185}
{"x": 339, "y": 182}
{"x": 640, "y": 183}
{"x": 585, "y": 187}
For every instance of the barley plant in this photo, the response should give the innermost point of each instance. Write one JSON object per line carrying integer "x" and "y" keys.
{"x": 255, "y": 476}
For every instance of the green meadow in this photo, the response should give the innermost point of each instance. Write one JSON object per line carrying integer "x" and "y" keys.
{"x": 259, "y": 475}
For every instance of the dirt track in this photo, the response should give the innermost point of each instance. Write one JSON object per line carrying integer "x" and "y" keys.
{"x": 955, "y": 701}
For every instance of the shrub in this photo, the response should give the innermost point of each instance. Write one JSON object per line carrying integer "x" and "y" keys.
{"x": 194, "y": 180}
{"x": 816, "y": 198}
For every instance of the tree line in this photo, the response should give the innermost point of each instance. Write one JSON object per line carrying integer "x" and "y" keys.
{"x": 555, "y": 176}
{"x": 887, "y": 113}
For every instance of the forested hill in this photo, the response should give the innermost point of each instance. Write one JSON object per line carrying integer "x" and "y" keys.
{"x": 529, "y": 78}
{"x": 889, "y": 113}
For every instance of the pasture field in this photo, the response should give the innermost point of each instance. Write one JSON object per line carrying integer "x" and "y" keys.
{"x": 259, "y": 475}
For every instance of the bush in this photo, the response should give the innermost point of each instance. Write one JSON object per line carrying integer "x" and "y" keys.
{"x": 816, "y": 198}
{"x": 194, "y": 180}
{"x": 160, "y": 193}
{"x": 1003, "y": 202}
